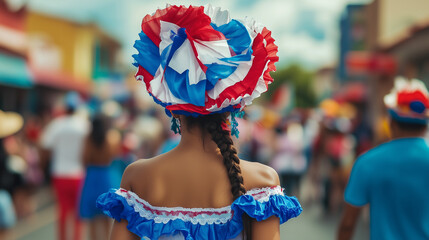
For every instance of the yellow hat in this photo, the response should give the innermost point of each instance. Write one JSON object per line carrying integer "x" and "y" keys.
{"x": 330, "y": 107}
{"x": 10, "y": 123}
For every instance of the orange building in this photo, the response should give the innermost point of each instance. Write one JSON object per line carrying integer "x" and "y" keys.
{"x": 65, "y": 55}
{"x": 68, "y": 50}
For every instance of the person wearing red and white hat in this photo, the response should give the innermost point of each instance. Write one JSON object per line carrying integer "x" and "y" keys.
{"x": 393, "y": 177}
{"x": 203, "y": 67}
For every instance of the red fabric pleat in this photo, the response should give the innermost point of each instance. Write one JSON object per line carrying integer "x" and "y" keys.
{"x": 193, "y": 19}
{"x": 405, "y": 98}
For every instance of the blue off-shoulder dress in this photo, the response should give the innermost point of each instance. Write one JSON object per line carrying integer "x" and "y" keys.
{"x": 177, "y": 223}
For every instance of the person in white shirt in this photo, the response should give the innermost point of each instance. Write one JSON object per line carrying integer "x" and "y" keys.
{"x": 64, "y": 137}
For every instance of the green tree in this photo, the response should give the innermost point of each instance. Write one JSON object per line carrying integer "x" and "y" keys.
{"x": 301, "y": 81}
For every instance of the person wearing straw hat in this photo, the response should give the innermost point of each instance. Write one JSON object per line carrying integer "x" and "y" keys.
{"x": 203, "y": 67}
{"x": 10, "y": 123}
{"x": 393, "y": 177}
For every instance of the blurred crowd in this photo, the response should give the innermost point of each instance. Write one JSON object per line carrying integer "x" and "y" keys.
{"x": 82, "y": 148}
{"x": 313, "y": 149}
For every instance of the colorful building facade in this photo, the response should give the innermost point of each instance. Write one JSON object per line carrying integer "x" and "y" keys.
{"x": 15, "y": 76}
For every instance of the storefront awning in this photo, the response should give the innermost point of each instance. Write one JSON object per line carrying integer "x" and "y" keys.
{"x": 370, "y": 63}
{"x": 61, "y": 81}
{"x": 14, "y": 72}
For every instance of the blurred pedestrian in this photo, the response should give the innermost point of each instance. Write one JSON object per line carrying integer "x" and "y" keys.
{"x": 126, "y": 156}
{"x": 10, "y": 180}
{"x": 219, "y": 195}
{"x": 393, "y": 177}
{"x": 65, "y": 136}
{"x": 334, "y": 152}
{"x": 289, "y": 159}
{"x": 100, "y": 147}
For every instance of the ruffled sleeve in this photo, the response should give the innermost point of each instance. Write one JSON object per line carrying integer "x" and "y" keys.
{"x": 260, "y": 204}
{"x": 113, "y": 205}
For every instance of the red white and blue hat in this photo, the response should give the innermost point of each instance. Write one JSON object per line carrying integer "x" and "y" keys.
{"x": 408, "y": 101}
{"x": 197, "y": 61}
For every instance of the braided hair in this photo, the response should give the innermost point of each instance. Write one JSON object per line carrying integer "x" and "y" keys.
{"x": 212, "y": 124}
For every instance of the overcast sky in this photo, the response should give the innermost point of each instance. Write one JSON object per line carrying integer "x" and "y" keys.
{"x": 306, "y": 31}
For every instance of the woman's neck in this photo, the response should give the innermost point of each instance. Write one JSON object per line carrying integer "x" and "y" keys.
{"x": 196, "y": 139}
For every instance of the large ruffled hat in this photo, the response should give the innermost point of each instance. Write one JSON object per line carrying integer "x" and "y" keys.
{"x": 408, "y": 101}
{"x": 197, "y": 60}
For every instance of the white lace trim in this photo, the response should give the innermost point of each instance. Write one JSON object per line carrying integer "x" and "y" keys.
{"x": 163, "y": 215}
{"x": 263, "y": 194}
{"x": 201, "y": 216}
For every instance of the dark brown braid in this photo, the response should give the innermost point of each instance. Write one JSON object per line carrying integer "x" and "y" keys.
{"x": 223, "y": 140}
{"x": 213, "y": 125}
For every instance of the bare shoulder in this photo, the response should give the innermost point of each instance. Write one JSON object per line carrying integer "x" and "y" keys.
{"x": 257, "y": 175}
{"x": 137, "y": 172}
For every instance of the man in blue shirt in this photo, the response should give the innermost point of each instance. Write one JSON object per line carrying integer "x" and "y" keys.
{"x": 393, "y": 178}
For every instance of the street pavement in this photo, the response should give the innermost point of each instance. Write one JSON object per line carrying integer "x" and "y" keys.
{"x": 312, "y": 224}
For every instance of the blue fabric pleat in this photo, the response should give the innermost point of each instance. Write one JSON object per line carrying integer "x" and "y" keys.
{"x": 239, "y": 58}
{"x": 408, "y": 119}
{"x": 178, "y": 83}
{"x": 215, "y": 72}
{"x": 178, "y": 40}
{"x": 240, "y": 42}
{"x": 236, "y": 34}
{"x": 148, "y": 54}
{"x": 118, "y": 208}
{"x": 180, "y": 87}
